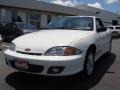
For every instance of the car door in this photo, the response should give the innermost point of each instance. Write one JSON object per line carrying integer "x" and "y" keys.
{"x": 102, "y": 38}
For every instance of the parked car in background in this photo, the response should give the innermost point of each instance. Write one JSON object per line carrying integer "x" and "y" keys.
{"x": 115, "y": 31}
{"x": 68, "y": 46}
{"x": 16, "y": 29}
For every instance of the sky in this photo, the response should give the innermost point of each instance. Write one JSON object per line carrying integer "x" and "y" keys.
{"x": 109, "y": 5}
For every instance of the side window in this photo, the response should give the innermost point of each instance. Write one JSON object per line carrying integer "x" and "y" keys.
{"x": 111, "y": 27}
{"x": 99, "y": 23}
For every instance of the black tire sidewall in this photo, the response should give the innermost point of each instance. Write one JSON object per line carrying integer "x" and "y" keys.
{"x": 110, "y": 48}
{"x": 86, "y": 61}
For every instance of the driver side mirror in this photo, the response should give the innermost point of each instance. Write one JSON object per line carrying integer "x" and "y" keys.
{"x": 101, "y": 29}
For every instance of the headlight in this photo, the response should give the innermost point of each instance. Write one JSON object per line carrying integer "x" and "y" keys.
{"x": 12, "y": 47}
{"x": 63, "y": 51}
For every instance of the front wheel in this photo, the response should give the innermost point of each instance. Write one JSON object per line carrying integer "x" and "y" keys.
{"x": 89, "y": 63}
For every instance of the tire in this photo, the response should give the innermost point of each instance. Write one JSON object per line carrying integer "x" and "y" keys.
{"x": 89, "y": 63}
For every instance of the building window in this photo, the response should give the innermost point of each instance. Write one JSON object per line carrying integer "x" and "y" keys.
{"x": 49, "y": 18}
{"x": 14, "y": 16}
{"x": 34, "y": 19}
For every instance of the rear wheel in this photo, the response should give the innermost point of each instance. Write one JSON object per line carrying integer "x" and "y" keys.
{"x": 89, "y": 63}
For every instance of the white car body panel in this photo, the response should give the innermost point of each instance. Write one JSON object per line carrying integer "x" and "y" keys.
{"x": 48, "y": 61}
{"x": 47, "y": 39}
{"x": 41, "y": 41}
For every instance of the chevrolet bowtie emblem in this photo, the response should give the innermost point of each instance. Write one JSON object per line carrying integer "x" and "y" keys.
{"x": 27, "y": 49}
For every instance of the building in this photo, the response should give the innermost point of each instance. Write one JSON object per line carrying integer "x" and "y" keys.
{"x": 41, "y": 13}
{"x": 109, "y": 18}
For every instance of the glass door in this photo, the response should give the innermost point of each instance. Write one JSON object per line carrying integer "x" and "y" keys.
{"x": 34, "y": 19}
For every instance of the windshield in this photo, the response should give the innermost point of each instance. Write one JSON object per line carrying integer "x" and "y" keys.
{"x": 25, "y": 26}
{"x": 74, "y": 23}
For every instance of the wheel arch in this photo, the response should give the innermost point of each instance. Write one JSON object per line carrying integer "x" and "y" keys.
{"x": 93, "y": 47}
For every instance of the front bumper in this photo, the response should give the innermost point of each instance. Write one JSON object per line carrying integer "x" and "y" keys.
{"x": 63, "y": 65}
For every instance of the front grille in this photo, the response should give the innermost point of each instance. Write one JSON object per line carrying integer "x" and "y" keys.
{"x": 32, "y": 68}
{"x": 29, "y": 53}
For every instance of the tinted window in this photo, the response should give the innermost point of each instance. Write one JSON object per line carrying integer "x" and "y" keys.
{"x": 117, "y": 27}
{"x": 110, "y": 27}
{"x": 99, "y": 23}
{"x": 73, "y": 23}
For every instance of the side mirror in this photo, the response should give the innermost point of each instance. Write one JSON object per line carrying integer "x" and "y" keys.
{"x": 101, "y": 29}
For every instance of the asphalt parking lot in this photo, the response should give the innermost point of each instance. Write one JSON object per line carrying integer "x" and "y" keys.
{"x": 106, "y": 76}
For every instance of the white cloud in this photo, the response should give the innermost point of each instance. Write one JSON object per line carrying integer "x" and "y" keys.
{"x": 96, "y": 5}
{"x": 112, "y": 1}
{"x": 65, "y": 2}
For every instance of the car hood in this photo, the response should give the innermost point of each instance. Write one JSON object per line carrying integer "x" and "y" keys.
{"x": 45, "y": 39}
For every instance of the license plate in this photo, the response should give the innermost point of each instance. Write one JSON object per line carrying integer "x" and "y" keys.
{"x": 20, "y": 64}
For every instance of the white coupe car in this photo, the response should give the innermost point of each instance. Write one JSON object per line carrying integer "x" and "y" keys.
{"x": 67, "y": 46}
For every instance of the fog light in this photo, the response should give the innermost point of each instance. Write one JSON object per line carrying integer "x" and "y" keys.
{"x": 55, "y": 70}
